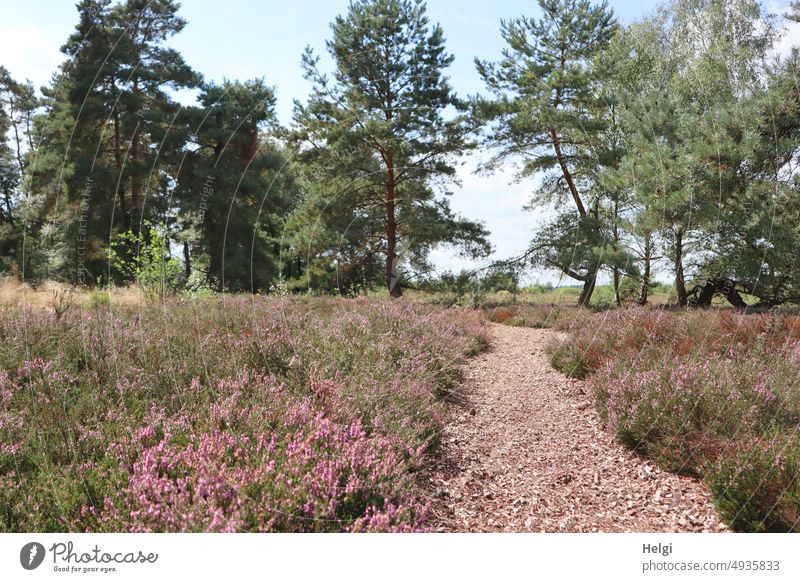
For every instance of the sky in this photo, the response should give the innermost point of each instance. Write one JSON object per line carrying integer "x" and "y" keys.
{"x": 243, "y": 39}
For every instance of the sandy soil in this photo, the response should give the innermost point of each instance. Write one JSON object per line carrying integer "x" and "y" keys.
{"x": 524, "y": 450}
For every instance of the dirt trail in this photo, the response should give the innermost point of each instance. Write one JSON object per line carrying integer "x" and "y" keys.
{"x": 524, "y": 450}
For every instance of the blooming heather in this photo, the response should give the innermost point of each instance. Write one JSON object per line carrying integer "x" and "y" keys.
{"x": 229, "y": 414}
{"x": 712, "y": 393}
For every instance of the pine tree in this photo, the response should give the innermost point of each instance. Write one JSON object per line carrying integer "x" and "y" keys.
{"x": 9, "y": 184}
{"x": 18, "y": 104}
{"x": 794, "y": 11}
{"x": 692, "y": 66}
{"x": 754, "y": 250}
{"x": 102, "y": 165}
{"x": 378, "y": 138}
{"x": 235, "y": 187}
{"x": 547, "y": 115}
{"x": 145, "y": 111}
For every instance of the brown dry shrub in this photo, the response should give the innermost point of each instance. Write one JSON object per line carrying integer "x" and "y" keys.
{"x": 502, "y": 314}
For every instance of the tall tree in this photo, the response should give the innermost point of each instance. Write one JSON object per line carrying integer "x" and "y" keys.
{"x": 145, "y": 111}
{"x": 107, "y": 118}
{"x": 688, "y": 70}
{"x": 18, "y": 101}
{"x": 379, "y": 135}
{"x": 547, "y": 114}
{"x": 754, "y": 250}
{"x": 234, "y": 188}
{"x": 18, "y": 105}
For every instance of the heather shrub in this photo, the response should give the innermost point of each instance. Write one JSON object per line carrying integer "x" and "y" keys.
{"x": 679, "y": 411}
{"x": 756, "y": 485}
{"x": 570, "y": 359}
{"x": 501, "y": 314}
{"x": 318, "y": 476}
{"x": 224, "y": 414}
{"x": 600, "y": 337}
{"x": 691, "y": 390}
{"x": 537, "y": 315}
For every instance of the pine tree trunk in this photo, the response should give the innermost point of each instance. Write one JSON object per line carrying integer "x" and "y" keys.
{"x": 645, "y": 290}
{"x": 18, "y": 143}
{"x": 562, "y": 162}
{"x": 702, "y": 296}
{"x": 136, "y": 180}
{"x": 680, "y": 283}
{"x": 136, "y": 176}
{"x": 392, "y": 279}
{"x": 120, "y": 183}
{"x": 588, "y": 289}
{"x": 187, "y": 260}
{"x": 617, "y": 298}
{"x": 215, "y": 270}
{"x": 9, "y": 213}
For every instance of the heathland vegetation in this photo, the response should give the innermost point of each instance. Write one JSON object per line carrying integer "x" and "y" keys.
{"x": 709, "y": 393}
{"x": 242, "y": 414}
{"x": 214, "y": 355}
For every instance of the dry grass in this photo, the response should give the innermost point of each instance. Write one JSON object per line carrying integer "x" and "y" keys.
{"x": 50, "y": 294}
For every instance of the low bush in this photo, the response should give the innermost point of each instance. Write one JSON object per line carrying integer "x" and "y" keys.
{"x": 225, "y": 414}
{"x": 756, "y": 485}
{"x": 569, "y": 359}
{"x": 706, "y": 393}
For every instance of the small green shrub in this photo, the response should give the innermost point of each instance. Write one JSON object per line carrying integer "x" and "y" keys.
{"x": 98, "y": 299}
{"x": 144, "y": 257}
{"x": 629, "y": 289}
{"x": 756, "y": 486}
{"x": 569, "y": 358}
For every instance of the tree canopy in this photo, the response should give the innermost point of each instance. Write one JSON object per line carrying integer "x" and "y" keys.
{"x": 662, "y": 148}
{"x": 379, "y": 142}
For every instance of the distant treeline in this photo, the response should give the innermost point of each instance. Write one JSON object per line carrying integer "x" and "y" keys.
{"x": 669, "y": 144}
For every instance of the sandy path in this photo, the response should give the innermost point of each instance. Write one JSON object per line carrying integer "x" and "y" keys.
{"x": 524, "y": 450}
